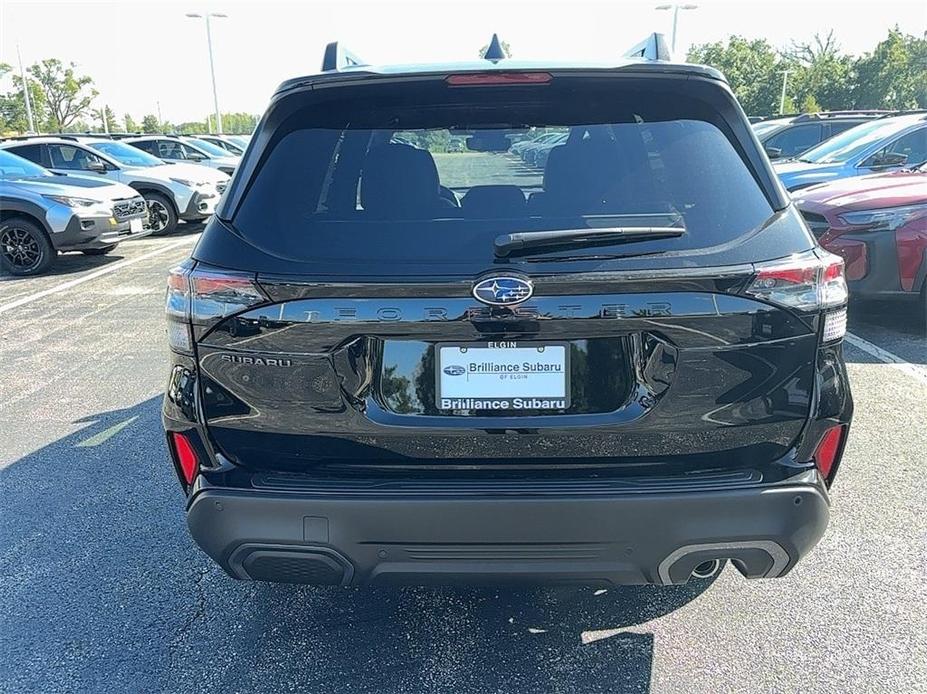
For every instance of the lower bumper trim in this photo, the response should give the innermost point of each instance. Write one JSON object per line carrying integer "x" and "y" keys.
{"x": 657, "y": 538}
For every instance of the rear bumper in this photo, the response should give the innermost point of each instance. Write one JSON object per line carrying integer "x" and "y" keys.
{"x": 628, "y": 538}
{"x": 84, "y": 233}
{"x": 201, "y": 204}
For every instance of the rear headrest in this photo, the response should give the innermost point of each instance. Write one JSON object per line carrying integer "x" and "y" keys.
{"x": 399, "y": 179}
{"x": 581, "y": 176}
{"x": 494, "y": 201}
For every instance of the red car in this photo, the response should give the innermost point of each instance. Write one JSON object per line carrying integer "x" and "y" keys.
{"x": 878, "y": 224}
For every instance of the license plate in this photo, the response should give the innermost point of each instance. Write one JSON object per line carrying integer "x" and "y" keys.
{"x": 135, "y": 225}
{"x": 504, "y": 375}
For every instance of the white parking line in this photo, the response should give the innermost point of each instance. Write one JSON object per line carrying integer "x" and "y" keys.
{"x": 893, "y": 360}
{"x": 64, "y": 286}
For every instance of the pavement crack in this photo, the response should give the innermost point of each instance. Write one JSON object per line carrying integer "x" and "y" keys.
{"x": 197, "y": 615}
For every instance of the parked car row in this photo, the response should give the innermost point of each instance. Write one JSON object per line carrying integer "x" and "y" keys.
{"x": 788, "y": 136}
{"x": 534, "y": 151}
{"x": 42, "y": 214}
{"x": 173, "y": 178}
{"x": 863, "y": 194}
{"x": 877, "y": 146}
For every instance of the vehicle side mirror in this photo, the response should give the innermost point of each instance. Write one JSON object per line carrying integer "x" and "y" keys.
{"x": 886, "y": 159}
{"x": 195, "y": 156}
{"x": 96, "y": 166}
{"x": 773, "y": 152}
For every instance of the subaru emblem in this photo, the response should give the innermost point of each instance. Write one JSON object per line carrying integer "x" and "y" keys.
{"x": 503, "y": 291}
{"x": 454, "y": 370}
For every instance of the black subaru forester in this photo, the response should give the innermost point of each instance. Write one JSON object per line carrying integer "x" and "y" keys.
{"x": 400, "y": 355}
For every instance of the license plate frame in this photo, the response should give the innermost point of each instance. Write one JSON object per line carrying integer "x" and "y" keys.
{"x": 502, "y": 352}
{"x": 135, "y": 225}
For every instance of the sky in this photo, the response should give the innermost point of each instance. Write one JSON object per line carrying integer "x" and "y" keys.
{"x": 142, "y": 54}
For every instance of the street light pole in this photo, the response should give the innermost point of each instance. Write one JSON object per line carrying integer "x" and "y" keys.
{"x": 26, "y": 98}
{"x": 212, "y": 65}
{"x": 675, "y": 8}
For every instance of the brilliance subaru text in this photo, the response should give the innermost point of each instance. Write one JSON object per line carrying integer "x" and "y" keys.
{"x": 395, "y": 362}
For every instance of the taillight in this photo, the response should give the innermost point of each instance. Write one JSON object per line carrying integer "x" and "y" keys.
{"x": 198, "y": 297}
{"x": 186, "y": 457}
{"x": 813, "y": 281}
{"x": 177, "y": 307}
{"x": 825, "y": 455}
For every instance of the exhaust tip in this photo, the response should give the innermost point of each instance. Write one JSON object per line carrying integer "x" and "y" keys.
{"x": 707, "y": 569}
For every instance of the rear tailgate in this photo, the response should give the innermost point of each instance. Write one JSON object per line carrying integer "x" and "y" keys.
{"x": 365, "y": 234}
{"x": 684, "y": 369}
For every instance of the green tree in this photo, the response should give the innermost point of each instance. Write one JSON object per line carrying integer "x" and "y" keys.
{"x": 112, "y": 125}
{"x": 13, "y": 117}
{"x": 809, "y": 105}
{"x": 131, "y": 125}
{"x": 238, "y": 123}
{"x": 67, "y": 95}
{"x": 191, "y": 127}
{"x": 894, "y": 75}
{"x": 821, "y": 73}
{"x": 751, "y": 66}
{"x": 150, "y": 124}
{"x": 788, "y": 105}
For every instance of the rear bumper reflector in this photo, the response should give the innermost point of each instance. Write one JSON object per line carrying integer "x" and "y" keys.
{"x": 825, "y": 455}
{"x": 186, "y": 457}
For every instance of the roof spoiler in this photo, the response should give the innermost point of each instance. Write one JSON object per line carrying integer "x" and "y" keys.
{"x": 337, "y": 57}
{"x": 652, "y": 48}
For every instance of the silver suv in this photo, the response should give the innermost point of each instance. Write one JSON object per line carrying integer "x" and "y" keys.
{"x": 42, "y": 214}
{"x": 172, "y": 191}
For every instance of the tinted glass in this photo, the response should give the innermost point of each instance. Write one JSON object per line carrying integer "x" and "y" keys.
{"x": 146, "y": 146}
{"x": 837, "y": 126}
{"x": 208, "y": 147}
{"x": 322, "y": 191}
{"x": 796, "y": 140}
{"x": 71, "y": 158}
{"x": 767, "y": 127}
{"x": 13, "y": 166}
{"x": 913, "y": 146}
{"x": 852, "y": 142}
{"x": 126, "y": 154}
{"x": 31, "y": 152}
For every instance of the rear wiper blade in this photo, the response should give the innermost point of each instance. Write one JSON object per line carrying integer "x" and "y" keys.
{"x": 506, "y": 244}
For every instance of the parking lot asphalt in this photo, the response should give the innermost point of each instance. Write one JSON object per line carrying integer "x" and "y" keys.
{"x": 104, "y": 591}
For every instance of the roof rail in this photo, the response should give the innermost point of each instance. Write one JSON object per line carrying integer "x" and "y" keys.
{"x": 823, "y": 115}
{"x": 337, "y": 57}
{"x": 652, "y": 48}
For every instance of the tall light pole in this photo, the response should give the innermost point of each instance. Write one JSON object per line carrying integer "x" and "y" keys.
{"x": 26, "y": 97}
{"x": 675, "y": 8}
{"x": 785, "y": 81}
{"x": 212, "y": 65}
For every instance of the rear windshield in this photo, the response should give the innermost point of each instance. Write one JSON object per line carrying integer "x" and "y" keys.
{"x": 439, "y": 181}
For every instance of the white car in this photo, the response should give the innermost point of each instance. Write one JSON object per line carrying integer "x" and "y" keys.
{"x": 225, "y": 142}
{"x": 176, "y": 149}
{"x": 172, "y": 191}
